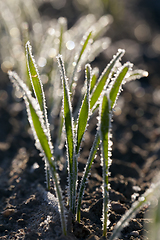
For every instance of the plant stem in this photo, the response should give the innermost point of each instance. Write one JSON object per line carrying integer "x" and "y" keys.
{"x": 86, "y": 173}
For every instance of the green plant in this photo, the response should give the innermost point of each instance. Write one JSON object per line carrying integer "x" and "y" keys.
{"x": 99, "y": 93}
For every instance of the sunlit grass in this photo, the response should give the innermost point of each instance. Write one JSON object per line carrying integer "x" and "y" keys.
{"x": 99, "y": 93}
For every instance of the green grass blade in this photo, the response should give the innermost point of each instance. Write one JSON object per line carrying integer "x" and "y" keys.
{"x": 84, "y": 44}
{"x": 62, "y": 28}
{"x": 68, "y": 122}
{"x": 34, "y": 77}
{"x": 116, "y": 84}
{"x": 136, "y": 74}
{"x": 105, "y": 125}
{"x": 86, "y": 174}
{"x": 48, "y": 154}
{"x": 41, "y": 136}
{"x": 35, "y": 117}
{"x": 95, "y": 73}
{"x": 105, "y": 78}
{"x": 146, "y": 198}
{"x": 84, "y": 110}
{"x": 37, "y": 88}
{"x": 37, "y": 84}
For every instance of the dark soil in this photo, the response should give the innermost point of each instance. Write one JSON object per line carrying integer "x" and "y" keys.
{"x": 24, "y": 210}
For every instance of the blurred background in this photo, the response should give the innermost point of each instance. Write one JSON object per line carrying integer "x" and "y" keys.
{"x": 135, "y": 27}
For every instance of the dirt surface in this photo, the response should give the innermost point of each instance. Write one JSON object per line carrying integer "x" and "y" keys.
{"x": 24, "y": 211}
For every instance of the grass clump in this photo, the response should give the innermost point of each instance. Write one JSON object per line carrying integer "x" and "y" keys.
{"x": 100, "y": 93}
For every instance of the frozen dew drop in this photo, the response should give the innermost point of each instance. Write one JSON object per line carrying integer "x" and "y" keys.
{"x": 70, "y": 45}
{"x": 42, "y": 62}
{"x": 127, "y": 75}
{"x": 134, "y": 196}
{"x": 145, "y": 73}
{"x": 142, "y": 198}
{"x": 34, "y": 167}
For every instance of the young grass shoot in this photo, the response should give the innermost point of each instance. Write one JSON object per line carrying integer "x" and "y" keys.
{"x": 101, "y": 94}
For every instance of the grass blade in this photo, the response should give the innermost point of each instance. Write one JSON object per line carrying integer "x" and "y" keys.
{"x": 34, "y": 77}
{"x": 84, "y": 44}
{"x": 86, "y": 173}
{"x": 115, "y": 87}
{"x": 105, "y": 125}
{"x": 136, "y": 74}
{"x": 95, "y": 73}
{"x": 84, "y": 110}
{"x": 35, "y": 117}
{"x": 38, "y": 90}
{"x": 145, "y": 199}
{"x": 62, "y": 27}
{"x": 105, "y": 78}
{"x": 36, "y": 83}
{"x": 68, "y": 121}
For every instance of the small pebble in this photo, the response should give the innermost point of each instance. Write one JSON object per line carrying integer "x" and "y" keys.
{"x": 134, "y": 233}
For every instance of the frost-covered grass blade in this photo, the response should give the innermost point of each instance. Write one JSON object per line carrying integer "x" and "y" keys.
{"x": 34, "y": 77}
{"x": 105, "y": 125}
{"x": 68, "y": 122}
{"x": 84, "y": 111}
{"x": 37, "y": 88}
{"x": 95, "y": 73}
{"x": 145, "y": 199}
{"x": 86, "y": 174}
{"x": 35, "y": 117}
{"x": 87, "y": 38}
{"x": 62, "y": 25}
{"x": 117, "y": 82}
{"x": 136, "y": 74}
{"x": 105, "y": 78}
